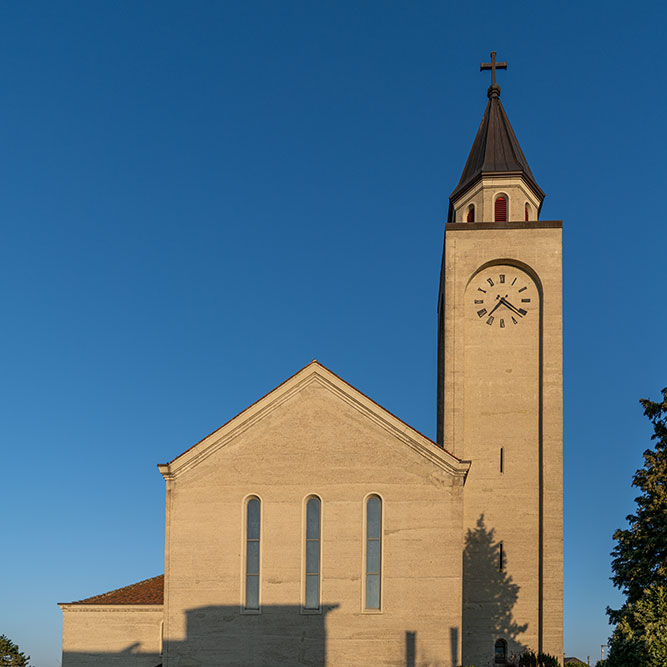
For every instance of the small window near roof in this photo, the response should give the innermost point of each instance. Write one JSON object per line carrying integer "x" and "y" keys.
{"x": 500, "y": 209}
{"x": 527, "y": 211}
{"x": 500, "y": 652}
{"x": 471, "y": 213}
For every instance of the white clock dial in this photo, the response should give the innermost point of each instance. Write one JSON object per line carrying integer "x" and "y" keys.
{"x": 504, "y": 297}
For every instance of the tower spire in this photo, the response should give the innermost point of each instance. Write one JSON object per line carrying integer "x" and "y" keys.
{"x": 495, "y": 157}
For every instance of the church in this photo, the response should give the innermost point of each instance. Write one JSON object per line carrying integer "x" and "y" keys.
{"x": 317, "y": 528}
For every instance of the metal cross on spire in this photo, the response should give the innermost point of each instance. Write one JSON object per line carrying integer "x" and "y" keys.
{"x": 493, "y": 66}
{"x": 494, "y": 88}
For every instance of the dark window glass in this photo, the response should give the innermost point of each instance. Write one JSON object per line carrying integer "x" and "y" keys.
{"x": 500, "y": 652}
{"x": 253, "y": 512}
{"x": 471, "y": 213}
{"x": 373, "y": 551}
{"x": 527, "y": 213}
{"x": 313, "y": 530}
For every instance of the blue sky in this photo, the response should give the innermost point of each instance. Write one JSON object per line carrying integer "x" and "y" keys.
{"x": 199, "y": 198}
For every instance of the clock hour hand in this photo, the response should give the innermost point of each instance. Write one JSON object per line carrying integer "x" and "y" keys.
{"x": 495, "y": 307}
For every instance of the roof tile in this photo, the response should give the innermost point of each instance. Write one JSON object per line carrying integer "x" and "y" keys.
{"x": 149, "y": 591}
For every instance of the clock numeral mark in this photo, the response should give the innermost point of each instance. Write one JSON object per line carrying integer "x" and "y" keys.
{"x": 522, "y": 311}
{"x": 502, "y": 324}
{"x": 502, "y": 278}
{"x": 479, "y": 289}
{"x": 523, "y": 289}
{"x": 513, "y": 281}
{"x": 513, "y": 320}
{"x": 478, "y": 301}
{"x": 525, "y": 300}
{"x": 490, "y": 281}
{"x": 482, "y": 312}
{"x": 490, "y": 320}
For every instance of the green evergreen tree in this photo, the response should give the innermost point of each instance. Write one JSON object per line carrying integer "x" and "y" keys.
{"x": 640, "y": 637}
{"x": 640, "y": 559}
{"x": 10, "y": 656}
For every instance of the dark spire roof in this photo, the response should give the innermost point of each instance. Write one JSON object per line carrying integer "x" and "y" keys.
{"x": 495, "y": 150}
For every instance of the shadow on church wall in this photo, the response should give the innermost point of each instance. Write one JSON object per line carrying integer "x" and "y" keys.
{"x": 489, "y": 595}
{"x": 280, "y": 635}
{"x": 220, "y": 635}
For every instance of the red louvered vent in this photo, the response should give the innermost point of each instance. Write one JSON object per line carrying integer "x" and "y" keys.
{"x": 501, "y": 209}
{"x": 471, "y": 213}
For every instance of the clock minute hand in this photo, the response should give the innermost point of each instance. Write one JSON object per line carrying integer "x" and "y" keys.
{"x": 510, "y": 306}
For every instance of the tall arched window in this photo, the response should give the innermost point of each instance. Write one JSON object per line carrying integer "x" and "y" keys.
{"x": 471, "y": 213}
{"x": 313, "y": 552}
{"x": 373, "y": 552}
{"x": 527, "y": 208}
{"x": 500, "y": 209}
{"x": 500, "y": 652}
{"x": 253, "y": 521}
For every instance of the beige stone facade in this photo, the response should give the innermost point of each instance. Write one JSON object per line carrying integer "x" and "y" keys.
{"x": 418, "y": 552}
{"x": 112, "y": 635}
{"x": 502, "y": 409}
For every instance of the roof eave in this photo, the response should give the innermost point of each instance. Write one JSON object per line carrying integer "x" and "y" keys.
{"x": 462, "y": 189}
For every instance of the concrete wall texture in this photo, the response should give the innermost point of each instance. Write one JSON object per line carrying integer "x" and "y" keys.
{"x": 111, "y": 635}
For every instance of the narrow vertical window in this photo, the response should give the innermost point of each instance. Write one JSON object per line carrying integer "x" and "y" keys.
{"x": 502, "y": 459}
{"x": 471, "y": 213}
{"x": 501, "y": 557}
{"x": 373, "y": 552}
{"x": 527, "y": 212}
{"x": 313, "y": 551}
{"x": 253, "y": 514}
{"x": 500, "y": 652}
{"x": 500, "y": 209}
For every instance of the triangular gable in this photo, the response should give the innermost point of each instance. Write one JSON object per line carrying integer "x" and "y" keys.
{"x": 315, "y": 372}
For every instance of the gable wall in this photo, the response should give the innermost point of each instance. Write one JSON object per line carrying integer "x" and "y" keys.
{"x": 313, "y": 443}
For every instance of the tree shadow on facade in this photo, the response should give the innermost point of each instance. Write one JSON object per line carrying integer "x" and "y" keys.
{"x": 489, "y": 595}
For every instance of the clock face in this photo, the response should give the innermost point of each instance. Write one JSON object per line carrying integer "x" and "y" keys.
{"x": 503, "y": 297}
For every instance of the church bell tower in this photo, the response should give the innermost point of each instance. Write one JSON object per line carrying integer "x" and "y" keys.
{"x": 500, "y": 394}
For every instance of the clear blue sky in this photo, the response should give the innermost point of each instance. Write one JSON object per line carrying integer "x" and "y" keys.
{"x": 199, "y": 198}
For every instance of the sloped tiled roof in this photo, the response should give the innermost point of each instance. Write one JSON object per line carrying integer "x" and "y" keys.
{"x": 496, "y": 149}
{"x": 149, "y": 591}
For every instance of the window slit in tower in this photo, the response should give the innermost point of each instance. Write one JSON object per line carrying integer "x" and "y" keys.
{"x": 502, "y": 459}
{"x": 501, "y": 557}
{"x": 471, "y": 213}
{"x": 500, "y": 209}
{"x": 500, "y": 652}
